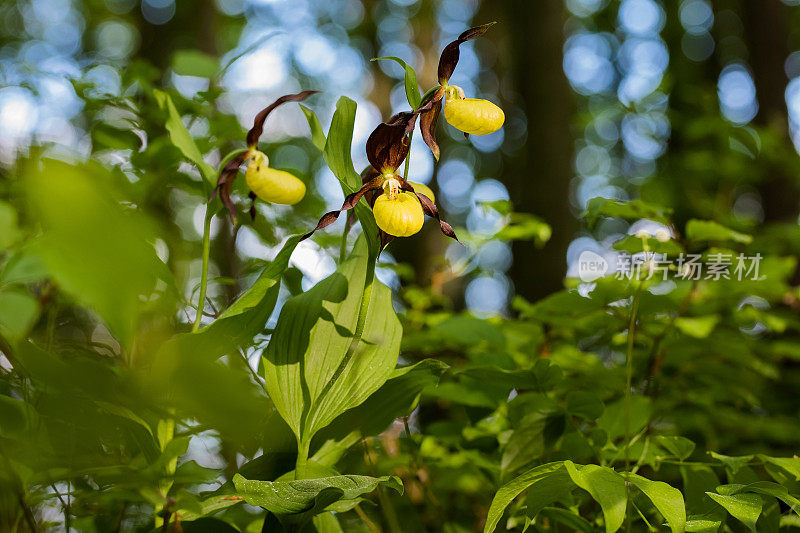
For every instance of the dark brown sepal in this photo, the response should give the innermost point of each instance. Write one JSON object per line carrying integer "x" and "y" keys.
{"x": 225, "y": 182}
{"x": 387, "y": 145}
{"x": 258, "y": 123}
{"x": 449, "y": 58}
{"x": 385, "y": 239}
{"x": 430, "y": 209}
{"x": 350, "y": 202}
{"x": 429, "y": 117}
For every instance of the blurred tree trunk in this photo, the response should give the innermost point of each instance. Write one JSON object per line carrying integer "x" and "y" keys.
{"x": 539, "y": 175}
{"x": 766, "y": 25}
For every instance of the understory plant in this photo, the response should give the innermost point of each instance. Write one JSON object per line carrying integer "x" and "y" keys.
{"x": 648, "y": 401}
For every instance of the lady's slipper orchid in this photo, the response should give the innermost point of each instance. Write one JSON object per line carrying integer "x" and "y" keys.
{"x": 474, "y": 116}
{"x": 269, "y": 184}
{"x": 398, "y": 206}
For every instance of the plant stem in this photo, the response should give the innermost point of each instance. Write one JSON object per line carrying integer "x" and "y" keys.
{"x": 204, "y": 272}
{"x": 301, "y": 465}
{"x": 629, "y": 370}
{"x": 408, "y": 156}
{"x": 343, "y": 243}
{"x": 628, "y": 385}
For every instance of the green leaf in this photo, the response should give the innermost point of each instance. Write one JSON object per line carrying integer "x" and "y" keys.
{"x": 514, "y": 488}
{"x": 775, "y": 490}
{"x": 790, "y": 464}
{"x": 606, "y": 487}
{"x": 194, "y": 63}
{"x": 337, "y": 156}
{"x": 613, "y": 418}
{"x": 412, "y": 88}
{"x": 680, "y": 447}
{"x": 9, "y": 232}
{"x": 298, "y": 501}
{"x": 573, "y": 521}
{"x": 180, "y": 137}
{"x": 317, "y": 135}
{"x": 632, "y": 210}
{"x": 397, "y": 397}
{"x": 744, "y": 507}
{"x": 306, "y": 373}
{"x": 703, "y": 526}
{"x": 708, "y": 230}
{"x": 556, "y": 487}
{"x": 667, "y": 499}
{"x": 18, "y": 314}
{"x": 96, "y": 249}
{"x": 13, "y": 415}
{"x": 584, "y": 404}
{"x": 237, "y": 325}
{"x": 698, "y": 327}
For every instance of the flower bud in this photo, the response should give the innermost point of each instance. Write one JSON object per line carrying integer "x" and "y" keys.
{"x": 475, "y": 116}
{"x": 272, "y": 185}
{"x": 399, "y": 217}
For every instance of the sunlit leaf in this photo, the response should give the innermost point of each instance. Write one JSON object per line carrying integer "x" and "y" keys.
{"x": 308, "y": 375}
{"x": 744, "y": 507}
{"x": 180, "y": 137}
{"x": 668, "y": 500}
{"x": 298, "y": 501}
{"x": 606, "y": 487}
{"x": 412, "y": 88}
{"x": 506, "y": 494}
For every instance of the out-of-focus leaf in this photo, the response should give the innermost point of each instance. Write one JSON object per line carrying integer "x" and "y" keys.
{"x": 337, "y": 156}
{"x": 613, "y": 419}
{"x": 307, "y": 374}
{"x": 412, "y": 88}
{"x": 18, "y": 313}
{"x": 107, "y": 136}
{"x": 514, "y": 488}
{"x": 708, "y": 230}
{"x": 744, "y": 507}
{"x": 606, "y": 487}
{"x": 99, "y": 252}
{"x": 632, "y": 210}
{"x": 698, "y": 327}
{"x": 317, "y": 135}
{"x": 680, "y": 447}
{"x": 668, "y": 500}
{"x": 525, "y": 227}
{"x": 180, "y": 137}
{"x": 569, "y": 519}
{"x": 13, "y": 415}
{"x": 9, "y": 231}
{"x": 297, "y": 501}
{"x": 207, "y": 525}
{"x": 584, "y": 404}
{"x": 194, "y": 63}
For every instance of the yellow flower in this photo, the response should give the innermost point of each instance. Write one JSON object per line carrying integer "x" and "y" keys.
{"x": 272, "y": 185}
{"x": 401, "y": 216}
{"x": 472, "y": 115}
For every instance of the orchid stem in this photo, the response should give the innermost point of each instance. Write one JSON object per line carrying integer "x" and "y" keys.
{"x": 204, "y": 272}
{"x": 408, "y": 156}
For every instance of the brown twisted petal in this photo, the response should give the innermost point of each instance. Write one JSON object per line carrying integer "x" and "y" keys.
{"x": 449, "y": 58}
{"x": 385, "y": 238}
{"x": 350, "y": 202}
{"x": 429, "y": 116}
{"x": 387, "y": 145}
{"x": 225, "y": 182}
{"x": 429, "y": 208}
{"x": 368, "y": 175}
{"x": 258, "y": 123}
